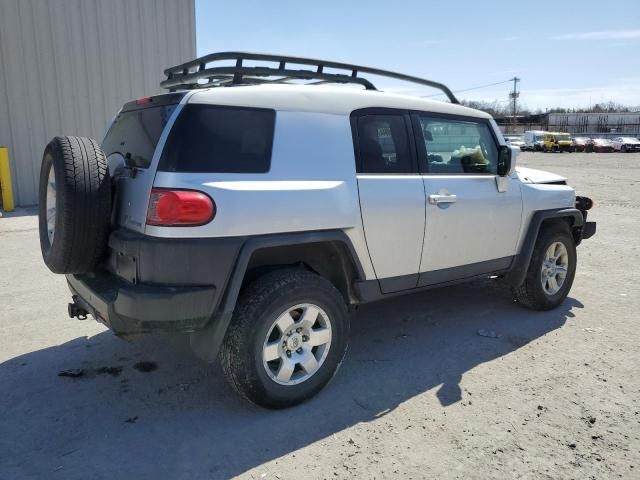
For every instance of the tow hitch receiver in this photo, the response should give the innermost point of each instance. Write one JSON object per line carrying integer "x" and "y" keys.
{"x": 76, "y": 311}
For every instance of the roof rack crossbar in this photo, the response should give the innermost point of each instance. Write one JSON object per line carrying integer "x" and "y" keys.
{"x": 239, "y": 74}
{"x": 190, "y": 74}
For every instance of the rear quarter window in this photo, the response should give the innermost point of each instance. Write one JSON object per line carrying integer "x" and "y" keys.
{"x": 135, "y": 134}
{"x": 208, "y": 138}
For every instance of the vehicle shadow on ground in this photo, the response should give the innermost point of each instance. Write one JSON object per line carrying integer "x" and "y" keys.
{"x": 180, "y": 420}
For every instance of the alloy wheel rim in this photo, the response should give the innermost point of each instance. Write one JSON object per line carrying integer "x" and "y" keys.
{"x": 51, "y": 205}
{"x": 555, "y": 266}
{"x": 297, "y": 344}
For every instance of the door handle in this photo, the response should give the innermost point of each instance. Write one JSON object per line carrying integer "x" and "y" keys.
{"x": 437, "y": 199}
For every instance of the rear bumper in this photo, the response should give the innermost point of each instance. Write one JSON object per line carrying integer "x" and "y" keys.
{"x": 127, "y": 309}
{"x": 153, "y": 284}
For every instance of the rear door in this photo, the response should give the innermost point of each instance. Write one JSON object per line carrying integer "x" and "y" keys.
{"x": 130, "y": 145}
{"x": 472, "y": 227}
{"x": 392, "y": 199}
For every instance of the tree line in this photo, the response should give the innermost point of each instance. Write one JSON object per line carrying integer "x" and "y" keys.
{"x": 498, "y": 108}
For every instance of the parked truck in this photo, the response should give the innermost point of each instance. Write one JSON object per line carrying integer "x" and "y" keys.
{"x": 533, "y": 140}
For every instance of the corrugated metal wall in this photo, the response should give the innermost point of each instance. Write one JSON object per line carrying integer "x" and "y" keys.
{"x": 612, "y": 124}
{"x": 67, "y": 66}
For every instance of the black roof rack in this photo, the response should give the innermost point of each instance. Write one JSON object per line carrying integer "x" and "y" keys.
{"x": 190, "y": 74}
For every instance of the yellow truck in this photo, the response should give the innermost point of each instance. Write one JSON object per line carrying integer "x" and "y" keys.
{"x": 557, "y": 142}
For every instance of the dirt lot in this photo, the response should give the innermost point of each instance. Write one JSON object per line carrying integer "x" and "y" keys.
{"x": 420, "y": 395}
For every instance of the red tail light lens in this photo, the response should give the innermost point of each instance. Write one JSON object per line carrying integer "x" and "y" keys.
{"x": 179, "y": 208}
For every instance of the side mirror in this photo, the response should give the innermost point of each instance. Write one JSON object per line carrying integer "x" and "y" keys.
{"x": 428, "y": 136}
{"x": 504, "y": 160}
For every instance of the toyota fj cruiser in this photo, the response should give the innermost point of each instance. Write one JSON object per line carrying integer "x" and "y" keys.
{"x": 253, "y": 216}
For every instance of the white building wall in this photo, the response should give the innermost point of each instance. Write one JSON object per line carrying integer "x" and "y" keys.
{"x": 67, "y": 66}
{"x": 607, "y": 124}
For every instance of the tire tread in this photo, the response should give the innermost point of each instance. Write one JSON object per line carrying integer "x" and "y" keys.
{"x": 84, "y": 205}
{"x": 530, "y": 294}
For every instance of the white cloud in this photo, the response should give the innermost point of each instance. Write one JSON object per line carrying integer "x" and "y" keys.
{"x": 604, "y": 35}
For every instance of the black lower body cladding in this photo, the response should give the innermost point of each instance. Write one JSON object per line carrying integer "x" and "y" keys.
{"x": 152, "y": 284}
{"x": 143, "y": 259}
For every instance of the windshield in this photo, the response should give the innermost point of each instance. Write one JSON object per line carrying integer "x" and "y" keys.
{"x": 563, "y": 138}
{"x": 629, "y": 139}
{"x": 135, "y": 134}
{"x": 539, "y": 138}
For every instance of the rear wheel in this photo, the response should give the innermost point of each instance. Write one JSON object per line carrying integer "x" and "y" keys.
{"x": 551, "y": 269}
{"x": 287, "y": 339}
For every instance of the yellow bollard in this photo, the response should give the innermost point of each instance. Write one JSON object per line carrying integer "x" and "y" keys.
{"x": 5, "y": 181}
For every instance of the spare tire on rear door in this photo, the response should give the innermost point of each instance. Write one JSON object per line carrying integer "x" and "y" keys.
{"x": 74, "y": 204}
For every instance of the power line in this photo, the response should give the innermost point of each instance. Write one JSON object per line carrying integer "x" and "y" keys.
{"x": 472, "y": 88}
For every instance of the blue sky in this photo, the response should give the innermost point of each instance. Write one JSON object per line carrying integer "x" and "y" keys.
{"x": 569, "y": 53}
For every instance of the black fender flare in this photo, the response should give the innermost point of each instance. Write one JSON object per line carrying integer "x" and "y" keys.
{"x": 516, "y": 275}
{"x": 207, "y": 341}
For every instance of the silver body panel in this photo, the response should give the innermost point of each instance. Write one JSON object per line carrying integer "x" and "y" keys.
{"x": 393, "y": 209}
{"x": 482, "y": 224}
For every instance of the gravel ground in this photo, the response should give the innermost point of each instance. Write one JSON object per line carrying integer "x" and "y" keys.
{"x": 420, "y": 395}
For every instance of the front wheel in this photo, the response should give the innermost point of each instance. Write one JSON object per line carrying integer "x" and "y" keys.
{"x": 551, "y": 270}
{"x": 287, "y": 338}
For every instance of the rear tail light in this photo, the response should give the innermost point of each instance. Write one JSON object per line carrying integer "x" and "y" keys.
{"x": 179, "y": 208}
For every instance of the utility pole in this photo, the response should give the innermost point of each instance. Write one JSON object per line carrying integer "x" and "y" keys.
{"x": 514, "y": 95}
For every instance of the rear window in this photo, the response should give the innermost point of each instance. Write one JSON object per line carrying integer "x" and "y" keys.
{"x": 135, "y": 134}
{"x": 207, "y": 138}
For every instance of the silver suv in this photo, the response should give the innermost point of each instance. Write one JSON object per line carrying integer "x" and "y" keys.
{"x": 251, "y": 211}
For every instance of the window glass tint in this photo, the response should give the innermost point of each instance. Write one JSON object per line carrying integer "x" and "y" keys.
{"x": 384, "y": 144}
{"x": 135, "y": 134}
{"x": 208, "y": 138}
{"x": 457, "y": 146}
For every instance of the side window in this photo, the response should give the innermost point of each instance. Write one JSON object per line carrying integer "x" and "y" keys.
{"x": 207, "y": 138}
{"x": 383, "y": 144}
{"x": 457, "y": 146}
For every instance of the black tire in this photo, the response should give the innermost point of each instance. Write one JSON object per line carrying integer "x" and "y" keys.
{"x": 531, "y": 293}
{"x": 82, "y": 205}
{"x": 259, "y": 305}
{"x": 623, "y": 149}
